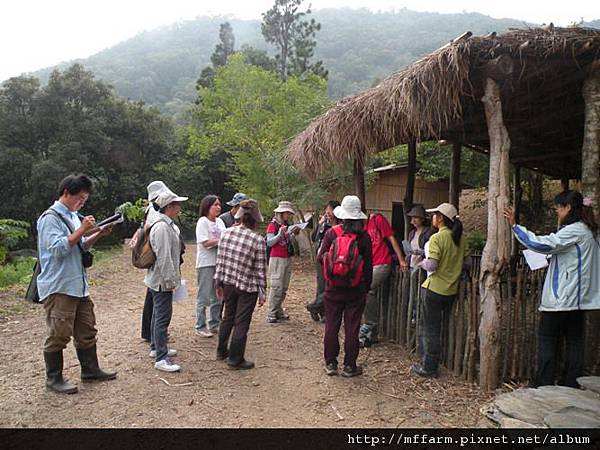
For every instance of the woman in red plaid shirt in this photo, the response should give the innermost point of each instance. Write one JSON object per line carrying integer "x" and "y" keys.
{"x": 241, "y": 281}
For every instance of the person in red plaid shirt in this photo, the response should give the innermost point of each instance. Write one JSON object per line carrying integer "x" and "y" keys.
{"x": 241, "y": 281}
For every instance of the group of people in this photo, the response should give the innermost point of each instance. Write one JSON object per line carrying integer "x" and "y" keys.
{"x": 354, "y": 256}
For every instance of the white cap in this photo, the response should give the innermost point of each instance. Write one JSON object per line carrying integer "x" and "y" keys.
{"x": 349, "y": 209}
{"x": 446, "y": 209}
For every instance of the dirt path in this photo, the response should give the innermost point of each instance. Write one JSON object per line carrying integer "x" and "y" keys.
{"x": 288, "y": 388}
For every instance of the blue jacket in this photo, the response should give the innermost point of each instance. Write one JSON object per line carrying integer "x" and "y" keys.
{"x": 573, "y": 278}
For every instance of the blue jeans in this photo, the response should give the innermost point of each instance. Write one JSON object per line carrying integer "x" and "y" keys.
{"x": 161, "y": 318}
{"x": 207, "y": 297}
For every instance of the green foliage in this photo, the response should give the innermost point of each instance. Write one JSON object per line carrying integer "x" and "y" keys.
{"x": 76, "y": 124}
{"x": 435, "y": 162}
{"x": 294, "y": 38}
{"x": 475, "y": 241}
{"x": 17, "y": 272}
{"x": 133, "y": 212}
{"x": 11, "y": 232}
{"x": 249, "y": 116}
{"x": 225, "y": 47}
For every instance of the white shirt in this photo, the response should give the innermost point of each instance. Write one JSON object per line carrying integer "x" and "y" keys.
{"x": 207, "y": 230}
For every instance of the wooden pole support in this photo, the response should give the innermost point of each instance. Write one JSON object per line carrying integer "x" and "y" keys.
{"x": 590, "y": 152}
{"x": 454, "y": 193}
{"x": 496, "y": 252}
{"x": 409, "y": 194}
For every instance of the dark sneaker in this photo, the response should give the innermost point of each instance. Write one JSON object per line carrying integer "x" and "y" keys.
{"x": 364, "y": 342}
{"x": 331, "y": 369}
{"x": 420, "y": 370}
{"x": 352, "y": 372}
{"x": 283, "y": 316}
{"x": 272, "y": 320}
{"x": 315, "y": 315}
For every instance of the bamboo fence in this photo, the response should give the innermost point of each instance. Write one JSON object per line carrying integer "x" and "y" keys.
{"x": 521, "y": 292}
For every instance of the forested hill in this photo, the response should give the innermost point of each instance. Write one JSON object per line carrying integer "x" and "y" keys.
{"x": 358, "y": 47}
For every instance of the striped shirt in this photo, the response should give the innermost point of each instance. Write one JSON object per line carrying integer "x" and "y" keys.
{"x": 242, "y": 260}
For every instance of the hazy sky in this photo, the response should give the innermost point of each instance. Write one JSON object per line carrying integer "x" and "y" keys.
{"x": 39, "y": 33}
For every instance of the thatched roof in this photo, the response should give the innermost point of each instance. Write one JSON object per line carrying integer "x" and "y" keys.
{"x": 438, "y": 97}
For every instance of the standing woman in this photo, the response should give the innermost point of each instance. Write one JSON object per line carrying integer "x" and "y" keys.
{"x": 280, "y": 247}
{"x": 418, "y": 236}
{"x": 326, "y": 221}
{"x": 346, "y": 302}
{"x": 445, "y": 265}
{"x": 571, "y": 285}
{"x": 240, "y": 277}
{"x": 208, "y": 233}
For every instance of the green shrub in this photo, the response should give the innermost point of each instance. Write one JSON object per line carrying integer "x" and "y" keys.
{"x": 17, "y": 272}
{"x": 475, "y": 242}
{"x": 11, "y": 232}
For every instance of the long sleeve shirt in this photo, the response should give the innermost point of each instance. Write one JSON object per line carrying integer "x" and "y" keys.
{"x": 165, "y": 274}
{"x": 242, "y": 260}
{"x": 62, "y": 271}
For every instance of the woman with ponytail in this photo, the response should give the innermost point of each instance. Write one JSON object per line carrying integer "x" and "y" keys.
{"x": 444, "y": 263}
{"x": 572, "y": 283}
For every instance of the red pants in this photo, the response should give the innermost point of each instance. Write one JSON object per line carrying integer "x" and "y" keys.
{"x": 351, "y": 309}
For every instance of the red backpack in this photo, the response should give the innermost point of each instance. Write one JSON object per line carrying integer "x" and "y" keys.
{"x": 343, "y": 265}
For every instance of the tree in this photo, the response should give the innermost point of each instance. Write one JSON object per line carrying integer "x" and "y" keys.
{"x": 225, "y": 47}
{"x": 76, "y": 124}
{"x": 294, "y": 38}
{"x": 251, "y": 114}
{"x": 223, "y": 50}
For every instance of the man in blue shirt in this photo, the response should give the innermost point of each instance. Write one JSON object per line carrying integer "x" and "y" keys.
{"x": 63, "y": 284}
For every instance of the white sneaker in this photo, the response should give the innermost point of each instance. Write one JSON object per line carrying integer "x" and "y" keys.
{"x": 171, "y": 352}
{"x": 203, "y": 332}
{"x": 166, "y": 365}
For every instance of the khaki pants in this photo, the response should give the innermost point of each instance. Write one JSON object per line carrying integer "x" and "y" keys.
{"x": 280, "y": 272}
{"x": 68, "y": 316}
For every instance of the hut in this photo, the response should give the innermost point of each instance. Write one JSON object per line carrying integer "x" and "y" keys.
{"x": 386, "y": 194}
{"x": 528, "y": 97}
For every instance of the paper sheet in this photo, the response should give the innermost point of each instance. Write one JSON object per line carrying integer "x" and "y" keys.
{"x": 535, "y": 260}
{"x": 300, "y": 226}
{"x": 181, "y": 293}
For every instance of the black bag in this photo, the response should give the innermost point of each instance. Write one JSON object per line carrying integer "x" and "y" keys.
{"x": 32, "y": 290}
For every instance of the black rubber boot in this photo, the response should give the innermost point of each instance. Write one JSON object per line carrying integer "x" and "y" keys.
{"x": 90, "y": 370}
{"x": 236, "y": 356}
{"x": 54, "y": 378}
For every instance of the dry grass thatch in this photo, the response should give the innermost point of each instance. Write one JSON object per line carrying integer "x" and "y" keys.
{"x": 430, "y": 98}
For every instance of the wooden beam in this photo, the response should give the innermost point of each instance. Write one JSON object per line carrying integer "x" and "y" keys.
{"x": 359, "y": 182}
{"x": 517, "y": 198}
{"x": 564, "y": 182}
{"x": 590, "y": 153}
{"x": 454, "y": 193}
{"x": 497, "y": 247}
{"x": 409, "y": 194}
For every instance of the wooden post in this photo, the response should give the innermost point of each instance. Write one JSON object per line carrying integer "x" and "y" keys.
{"x": 590, "y": 153}
{"x": 409, "y": 194}
{"x": 564, "y": 182}
{"x": 455, "y": 174}
{"x": 497, "y": 248}
{"x": 359, "y": 182}
{"x": 517, "y": 197}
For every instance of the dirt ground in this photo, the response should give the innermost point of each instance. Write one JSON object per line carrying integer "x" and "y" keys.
{"x": 288, "y": 387}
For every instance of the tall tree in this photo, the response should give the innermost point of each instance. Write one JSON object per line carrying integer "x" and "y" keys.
{"x": 284, "y": 26}
{"x": 225, "y": 47}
